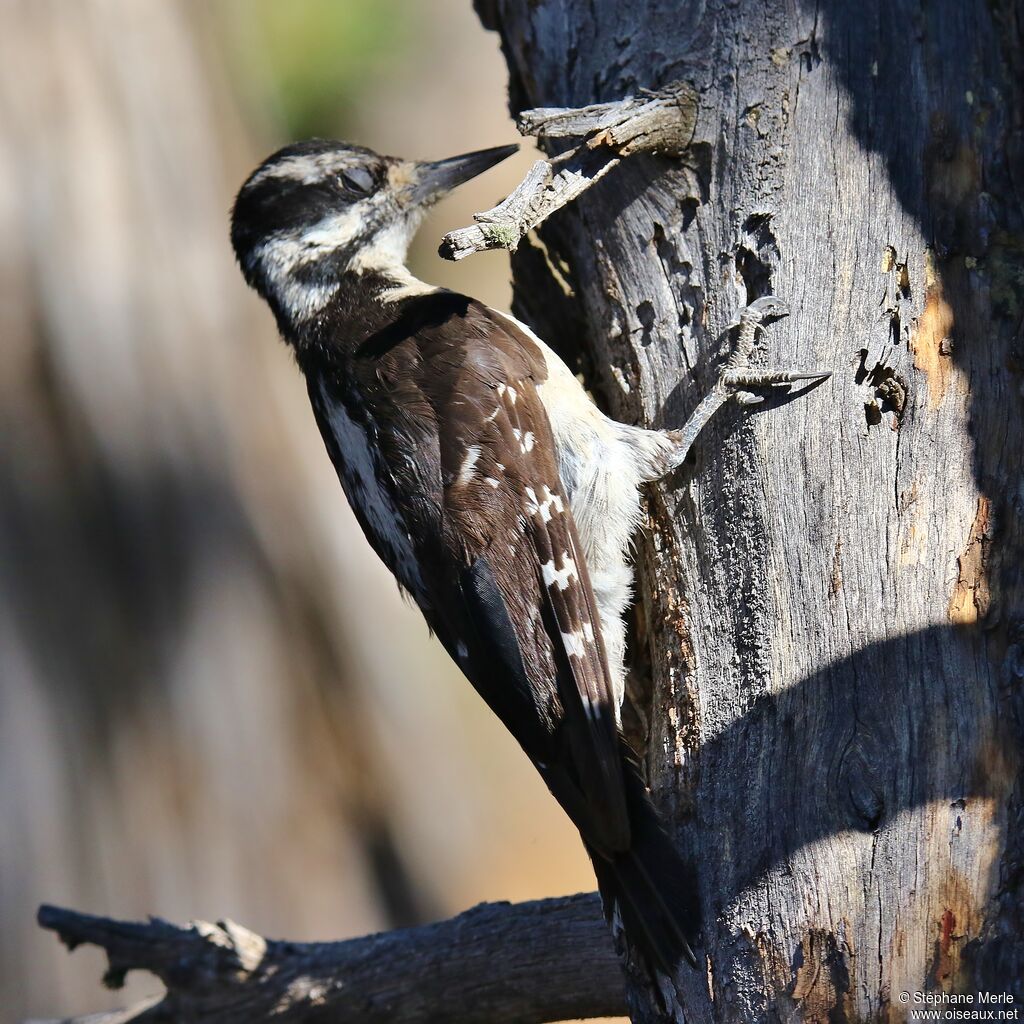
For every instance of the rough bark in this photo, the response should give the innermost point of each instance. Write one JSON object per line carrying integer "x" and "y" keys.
{"x": 539, "y": 961}
{"x": 828, "y": 649}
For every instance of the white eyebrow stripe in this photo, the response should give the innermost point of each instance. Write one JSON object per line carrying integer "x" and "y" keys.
{"x": 306, "y": 169}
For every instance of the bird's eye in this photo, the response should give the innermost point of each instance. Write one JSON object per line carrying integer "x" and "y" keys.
{"x": 357, "y": 179}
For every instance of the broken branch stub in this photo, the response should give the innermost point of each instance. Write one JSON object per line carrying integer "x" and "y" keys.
{"x": 651, "y": 122}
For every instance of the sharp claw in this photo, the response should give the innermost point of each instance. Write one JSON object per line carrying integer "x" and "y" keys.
{"x": 811, "y": 375}
{"x": 767, "y": 378}
{"x": 746, "y": 398}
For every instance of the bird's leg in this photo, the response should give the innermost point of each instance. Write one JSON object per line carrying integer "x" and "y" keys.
{"x": 738, "y": 378}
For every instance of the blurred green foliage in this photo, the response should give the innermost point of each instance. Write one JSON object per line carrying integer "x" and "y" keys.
{"x": 311, "y": 61}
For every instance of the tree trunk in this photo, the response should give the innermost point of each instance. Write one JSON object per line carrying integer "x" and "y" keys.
{"x": 829, "y": 641}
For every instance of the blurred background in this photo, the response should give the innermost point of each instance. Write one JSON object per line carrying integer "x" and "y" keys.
{"x": 213, "y": 701}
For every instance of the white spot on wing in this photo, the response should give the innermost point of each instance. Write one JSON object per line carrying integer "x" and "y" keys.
{"x": 560, "y": 577}
{"x": 543, "y": 508}
{"x": 527, "y": 443}
{"x": 574, "y": 644}
{"x": 466, "y": 469}
{"x": 491, "y": 482}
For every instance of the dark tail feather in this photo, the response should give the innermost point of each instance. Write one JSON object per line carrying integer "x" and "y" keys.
{"x": 654, "y": 890}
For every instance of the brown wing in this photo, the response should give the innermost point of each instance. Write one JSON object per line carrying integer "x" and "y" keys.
{"x": 451, "y": 470}
{"x": 505, "y": 512}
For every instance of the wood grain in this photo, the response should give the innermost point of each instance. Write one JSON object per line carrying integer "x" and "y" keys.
{"x": 829, "y": 639}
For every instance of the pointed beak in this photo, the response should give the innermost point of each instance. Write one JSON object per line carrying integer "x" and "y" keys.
{"x": 433, "y": 180}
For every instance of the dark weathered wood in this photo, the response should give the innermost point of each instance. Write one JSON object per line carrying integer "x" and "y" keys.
{"x": 828, "y": 656}
{"x": 545, "y": 960}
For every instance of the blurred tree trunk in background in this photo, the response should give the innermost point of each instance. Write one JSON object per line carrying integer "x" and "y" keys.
{"x": 180, "y": 722}
{"x": 829, "y": 645}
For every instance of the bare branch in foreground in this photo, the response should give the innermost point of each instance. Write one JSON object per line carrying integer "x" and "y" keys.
{"x": 545, "y": 960}
{"x": 652, "y": 122}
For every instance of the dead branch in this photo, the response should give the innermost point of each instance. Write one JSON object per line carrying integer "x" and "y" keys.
{"x": 545, "y": 960}
{"x": 651, "y": 122}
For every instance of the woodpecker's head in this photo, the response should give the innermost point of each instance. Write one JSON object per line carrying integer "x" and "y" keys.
{"x": 318, "y": 210}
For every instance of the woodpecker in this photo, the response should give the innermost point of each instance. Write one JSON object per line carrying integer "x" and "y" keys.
{"x": 485, "y": 478}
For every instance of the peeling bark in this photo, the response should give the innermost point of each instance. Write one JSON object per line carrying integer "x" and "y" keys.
{"x": 827, "y": 658}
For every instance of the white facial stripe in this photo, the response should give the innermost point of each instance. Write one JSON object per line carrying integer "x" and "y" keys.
{"x": 559, "y": 577}
{"x": 333, "y": 232}
{"x": 291, "y": 249}
{"x": 386, "y": 250}
{"x": 301, "y": 299}
{"x": 285, "y": 253}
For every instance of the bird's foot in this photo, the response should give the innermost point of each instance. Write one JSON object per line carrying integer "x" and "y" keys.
{"x": 737, "y": 377}
{"x": 738, "y": 380}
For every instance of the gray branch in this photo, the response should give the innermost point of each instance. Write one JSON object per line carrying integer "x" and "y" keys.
{"x": 545, "y": 960}
{"x": 651, "y": 122}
